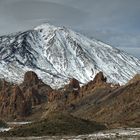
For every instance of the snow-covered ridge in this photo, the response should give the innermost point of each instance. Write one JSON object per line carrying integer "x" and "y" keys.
{"x": 57, "y": 54}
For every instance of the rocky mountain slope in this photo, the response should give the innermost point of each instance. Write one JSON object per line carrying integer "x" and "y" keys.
{"x": 57, "y": 54}
{"x": 113, "y": 105}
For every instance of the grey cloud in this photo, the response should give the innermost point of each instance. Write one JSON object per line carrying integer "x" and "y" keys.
{"x": 38, "y": 10}
{"x": 23, "y": 14}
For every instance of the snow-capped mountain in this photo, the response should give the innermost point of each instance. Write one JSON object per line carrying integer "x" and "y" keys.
{"x": 57, "y": 54}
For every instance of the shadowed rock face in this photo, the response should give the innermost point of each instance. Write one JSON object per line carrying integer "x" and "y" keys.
{"x": 18, "y": 104}
{"x": 16, "y": 101}
{"x": 30, "y": 78}
{"x": 13, "y": 103}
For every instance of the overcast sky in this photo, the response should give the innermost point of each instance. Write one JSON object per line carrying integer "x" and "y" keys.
{"x": 116, "y": 22}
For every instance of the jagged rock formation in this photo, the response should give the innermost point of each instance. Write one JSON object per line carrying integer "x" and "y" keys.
{"x": 65, "y": 98}
{"x": 98, "y": 100}
{"x": 98, "y": 81}
{"x": 16, "y": 101}
{"x": 112, "y": 105}
{"x": 99, "y": 78}
{"x": 70, "y": 90}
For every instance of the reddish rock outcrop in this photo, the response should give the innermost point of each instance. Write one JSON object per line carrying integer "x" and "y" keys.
{"x": 98, "y": 81}
{"x": 71, "y": 91}
{"x": 99, "y": 78}
{"x": 74, "y": 83}
{"x": 31, "y": 78}
{"x": 16, "y": 101}
{"x": 19, "y": 106}
{"x": 12, "y": 102}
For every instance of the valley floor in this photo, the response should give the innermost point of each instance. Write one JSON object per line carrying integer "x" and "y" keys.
{"x": 114, "y": 134}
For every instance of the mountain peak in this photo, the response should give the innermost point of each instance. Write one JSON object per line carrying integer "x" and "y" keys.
{"x": 57, "y": 54}
{"x": 45, "y": 26}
